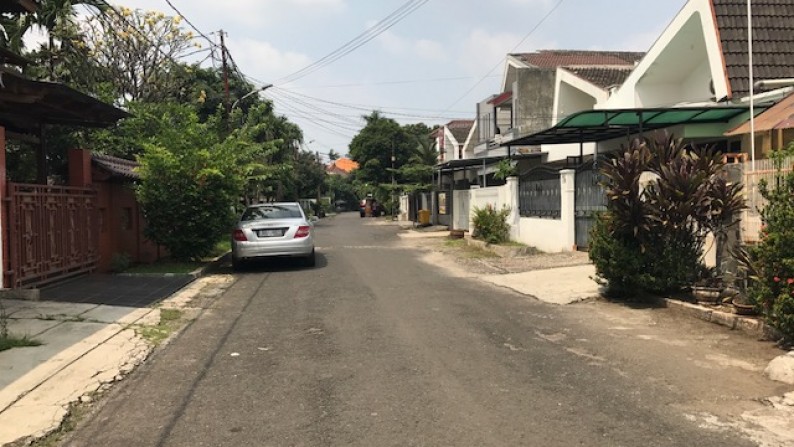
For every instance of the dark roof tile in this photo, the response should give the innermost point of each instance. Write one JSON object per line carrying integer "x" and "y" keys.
{"x": 562, "y": 58}
{"x": 117, "y": 167}
{"x": 773, "y": 40}
{"x": 603, "y": 77}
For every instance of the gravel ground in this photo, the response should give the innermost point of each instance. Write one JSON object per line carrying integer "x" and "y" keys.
{"x": 474, "y": 260}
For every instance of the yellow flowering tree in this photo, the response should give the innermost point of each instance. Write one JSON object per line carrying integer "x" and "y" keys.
{"x": 139, "y": 51}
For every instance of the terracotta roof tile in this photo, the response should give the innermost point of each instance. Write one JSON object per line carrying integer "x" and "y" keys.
{"x": 118, "y": 167}
{"x": 345, "y": 165}
{"x": 460, "y": 129}
{"x": 603, "y": 77}
{"x": 564, "y": 58}
{"x": 773, "y": 40}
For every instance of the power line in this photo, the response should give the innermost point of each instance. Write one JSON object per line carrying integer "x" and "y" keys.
{"x": 367, "y": 108}
{"x": 498, "y": 64}
{"x": 190, "y": 23}
{"x": 392, "y": 19}
{"x": 409, "y": 81}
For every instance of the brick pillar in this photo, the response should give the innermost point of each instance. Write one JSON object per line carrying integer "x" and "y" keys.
{"x": 3, "y": 211}
{"x": 79, "y": 167}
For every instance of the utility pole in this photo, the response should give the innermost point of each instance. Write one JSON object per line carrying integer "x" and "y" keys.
{"x": 392, "y": 181}
{"x": 225, "y": 72}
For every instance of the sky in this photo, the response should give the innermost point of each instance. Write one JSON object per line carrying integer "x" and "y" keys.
{"x": 432, "y": 66}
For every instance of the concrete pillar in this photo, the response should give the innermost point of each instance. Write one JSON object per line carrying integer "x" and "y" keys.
{"x": 732, "y": 238}
{"x": 568, "y": 208}
{"x": 79, "y": 167}
{"x": 511, "y": 188}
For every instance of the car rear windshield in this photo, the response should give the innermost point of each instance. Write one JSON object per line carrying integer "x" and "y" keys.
{"x": 272, "y": 212}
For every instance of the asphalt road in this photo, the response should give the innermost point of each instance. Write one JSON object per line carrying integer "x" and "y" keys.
{"x": 375, "y": 347}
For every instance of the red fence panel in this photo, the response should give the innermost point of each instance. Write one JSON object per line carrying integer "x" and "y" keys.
{"x": 52, "y": 232}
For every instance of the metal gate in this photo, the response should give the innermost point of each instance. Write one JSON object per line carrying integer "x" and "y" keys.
{"x": 589, "y": 199}
{"x": 52, "y": 233}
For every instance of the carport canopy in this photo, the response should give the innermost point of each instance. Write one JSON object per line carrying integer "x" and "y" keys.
{"x": 608, "y": 124}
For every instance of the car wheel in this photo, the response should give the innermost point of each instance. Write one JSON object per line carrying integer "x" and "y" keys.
{"x": 311, "y": 260}
{"x": 237, "y": 264}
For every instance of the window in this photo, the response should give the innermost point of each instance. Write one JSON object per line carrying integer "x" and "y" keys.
{"x": 263, "y": 212}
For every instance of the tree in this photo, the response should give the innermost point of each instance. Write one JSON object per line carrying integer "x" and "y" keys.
{"x": 373, "y": 146}
{"x": 50, "y": 15}
{"x": 137, "y": 51}
{"x": 333, "y": 155}
{"x": 189, "y": 183}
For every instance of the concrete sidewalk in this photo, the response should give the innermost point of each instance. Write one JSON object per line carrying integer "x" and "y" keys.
{"x": 563, "y": 285}
{"x": 84, "y": 348}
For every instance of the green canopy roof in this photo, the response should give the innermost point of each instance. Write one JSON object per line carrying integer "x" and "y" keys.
{"x": 608, "y": 124}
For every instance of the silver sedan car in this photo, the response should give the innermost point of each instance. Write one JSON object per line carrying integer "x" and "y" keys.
{"x": 273, "y": 230}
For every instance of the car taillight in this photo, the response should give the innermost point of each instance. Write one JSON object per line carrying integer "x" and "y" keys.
{"x": 303, "y": 231}
{"x": 238, "y": 235}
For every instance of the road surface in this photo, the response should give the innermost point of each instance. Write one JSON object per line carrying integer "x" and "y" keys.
{"x": 377, "y": 347}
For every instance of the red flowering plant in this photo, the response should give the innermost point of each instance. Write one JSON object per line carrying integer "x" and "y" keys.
{"x": 771, "y": 262}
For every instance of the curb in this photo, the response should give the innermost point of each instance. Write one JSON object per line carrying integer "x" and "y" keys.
{"x": 754, "y": 327}
{"x": 195, "y": 274}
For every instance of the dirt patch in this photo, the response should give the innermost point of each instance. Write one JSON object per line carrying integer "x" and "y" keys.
{"x": 463, "y": 260}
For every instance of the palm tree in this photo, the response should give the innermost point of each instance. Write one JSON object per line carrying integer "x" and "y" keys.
{"x": 50, "y": 16}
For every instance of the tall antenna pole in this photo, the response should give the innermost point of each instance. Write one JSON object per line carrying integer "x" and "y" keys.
{"x": 752, "y": 81}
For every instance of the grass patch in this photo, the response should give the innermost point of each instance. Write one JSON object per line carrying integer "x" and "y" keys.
{"x": 455, "y": 243}
{"x": 170, "y": 320}
{"x": 222, "y": 247}
{"x": 164, "y": 266}
{"x": 512, "y": 244}
{"x": 477, "y": 253}
{"x": 11, "y": 341}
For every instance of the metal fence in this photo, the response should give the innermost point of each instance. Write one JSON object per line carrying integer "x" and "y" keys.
{"x": 52, "y": 233}
{"x": 751, "y": 217}
{"x": 590, "y": 199}
{"x": 539, "y": 193}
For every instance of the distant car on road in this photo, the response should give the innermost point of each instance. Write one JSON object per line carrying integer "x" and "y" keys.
{"x": 273, "y": 230}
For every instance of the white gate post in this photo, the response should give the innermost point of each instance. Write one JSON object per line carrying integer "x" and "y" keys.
{"x": 568, "y": 208}
{"x": 512, "y": 202}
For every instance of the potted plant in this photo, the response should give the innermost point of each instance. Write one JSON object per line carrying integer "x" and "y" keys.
{"x": 708, "y": 288}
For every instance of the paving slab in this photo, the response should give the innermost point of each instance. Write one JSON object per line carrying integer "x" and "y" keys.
{"x": 30, "y": 327}
{"x": 114, "y": 314}
{"x": 556, "y": 286}
{"x": 48, "y": 309}
{"x": 42, "y": 409}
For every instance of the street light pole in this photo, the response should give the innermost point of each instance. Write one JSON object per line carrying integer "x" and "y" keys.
{"x": 256, "y": 90}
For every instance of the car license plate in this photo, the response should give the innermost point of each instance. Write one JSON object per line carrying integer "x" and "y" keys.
{"x": 269, "y": 233}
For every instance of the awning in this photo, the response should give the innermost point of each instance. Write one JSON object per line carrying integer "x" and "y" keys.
{"x": 779, "y": 116}
{"x": 608, "y": 124}
{"x": 475, "y": 162}
{"x": 26, "y": 104}
{"x": 468, "y": 162}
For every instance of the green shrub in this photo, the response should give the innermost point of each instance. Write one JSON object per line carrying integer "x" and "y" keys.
{"x": 626, "y": 268}
{"x": 651, "y": 239}
{"x": 490, "y": 225}
{"x": 772, "y": 259}
{"x": 119, "y": 262}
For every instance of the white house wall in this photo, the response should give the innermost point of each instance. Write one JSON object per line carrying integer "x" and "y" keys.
{"x": 679, "y": 66}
